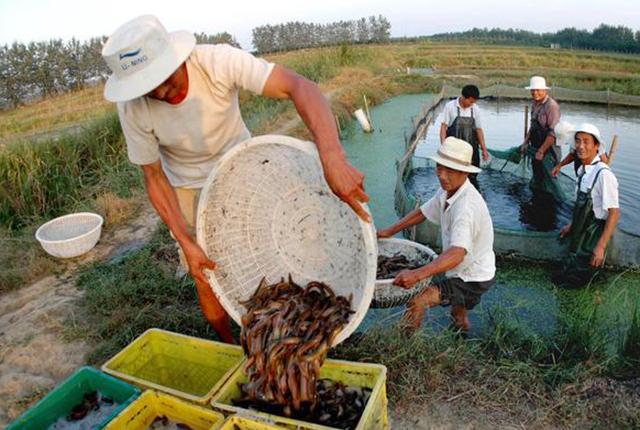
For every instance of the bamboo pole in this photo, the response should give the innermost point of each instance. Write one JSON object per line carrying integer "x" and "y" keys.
{"x": 612, "y": 149}
{"x": 526, "y": 119}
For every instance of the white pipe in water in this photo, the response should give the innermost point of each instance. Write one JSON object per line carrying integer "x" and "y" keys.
{"x": 362, "y": 119}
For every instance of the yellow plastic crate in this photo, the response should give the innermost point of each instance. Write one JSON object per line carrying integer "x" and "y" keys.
{"x": 140, "y": 414}
{"x": 236, "y": 422}
{"x": 184, "y": 366}
{"x": 373, "y": 376}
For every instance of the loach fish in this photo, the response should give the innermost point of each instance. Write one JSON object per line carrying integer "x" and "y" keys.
{"x": 389, "y": 267}
{"x": 287, "y": 332}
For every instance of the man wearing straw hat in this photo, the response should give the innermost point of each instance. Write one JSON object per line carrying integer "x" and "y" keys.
{"x": 467, "y": 260}
{"x": 179, "y": 111}
{"x": 595, "y": 213}
{"x": 540, "y": 140}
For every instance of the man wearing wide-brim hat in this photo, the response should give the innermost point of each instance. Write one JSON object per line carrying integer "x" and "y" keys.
{"x": 179, "y": 110}
{"x": 595, "y": 213}
{"x": 540, "y": 140}
{"x": 467, "y": 260}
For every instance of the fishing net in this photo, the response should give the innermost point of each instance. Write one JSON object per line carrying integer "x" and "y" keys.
{"x": 513, "y": 161}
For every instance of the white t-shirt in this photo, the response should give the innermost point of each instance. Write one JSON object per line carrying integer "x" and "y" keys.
{"x": 465, "y": 223}
{"x": 450, "y": 112}
{"x": 604, "y": 193}
{"x": 191, "y": 136}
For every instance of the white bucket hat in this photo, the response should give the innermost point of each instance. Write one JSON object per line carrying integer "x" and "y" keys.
{"x": 590, "y": 129}
{"x": 142, "y": 55}
{"x": 537, "y": 83}
{"x": 456, "y": 154}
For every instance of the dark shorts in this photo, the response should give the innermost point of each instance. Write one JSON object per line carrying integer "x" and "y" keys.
{"x": 456, "y": 292}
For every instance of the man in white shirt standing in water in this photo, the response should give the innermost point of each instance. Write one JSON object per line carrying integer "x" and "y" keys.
{"x": 179, "y": 111}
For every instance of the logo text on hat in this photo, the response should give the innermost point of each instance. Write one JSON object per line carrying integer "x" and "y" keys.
{"x": 134, "y": 62}
{"x": 130, "y": 54}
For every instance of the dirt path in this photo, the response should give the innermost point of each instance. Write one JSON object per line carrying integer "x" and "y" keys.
{"x": 34, "y": 356}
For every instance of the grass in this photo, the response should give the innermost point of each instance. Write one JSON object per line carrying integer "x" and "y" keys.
{"x": 53, "y": 113}
{"x": 136, "y": 291}
{"x": 47, "y": 179}
{"x": 42, "y": 180}
{"x": 511, "y": 373}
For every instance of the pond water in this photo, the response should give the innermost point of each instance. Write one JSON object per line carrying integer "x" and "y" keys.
{"x": 509, "y": 198}
{"x": 533, "y": 303}
{"x": 503, "y": 125}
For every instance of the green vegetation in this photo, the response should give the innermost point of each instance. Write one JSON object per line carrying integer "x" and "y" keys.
{"x": 56, "y": 113}
{"x": 133, "y": 292}
{"x": 604, "y": 38}
{"x": 296, "y": 35}
{"x": 47, "y": 179}
{"x": 576, "y": 373}
{"x": 552, "y": 379}
{"x": 41, "y": 180}
{"x": 60, "y": 174}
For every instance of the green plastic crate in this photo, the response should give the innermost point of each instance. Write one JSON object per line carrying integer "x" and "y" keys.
{"x": 70, "y": 392}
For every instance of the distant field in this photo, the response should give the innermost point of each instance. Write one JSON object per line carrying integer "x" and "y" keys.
{"x": 483, "y": 64}
{"x": 53, "y": 114}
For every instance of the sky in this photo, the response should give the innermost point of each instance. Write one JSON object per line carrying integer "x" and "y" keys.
{"x": 35, "y": 20}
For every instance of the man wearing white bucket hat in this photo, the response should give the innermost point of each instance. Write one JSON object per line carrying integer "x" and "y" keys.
{"x": 540, "y": 139}
{"x": 564, "y": 135}
{"x": 595, "y": 213}
{"x": 179, "y": 110}
{"x": 467, "y": 260}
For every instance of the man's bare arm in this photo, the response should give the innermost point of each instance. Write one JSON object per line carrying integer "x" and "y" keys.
{"x": 443, "y": 132}
{"x": 449, "y": 259}
{"x": 164, "y": 200}
{"x": 345, "y": 180}
{"x": 412, "y": 218}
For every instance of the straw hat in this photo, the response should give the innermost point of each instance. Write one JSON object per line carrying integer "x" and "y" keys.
{"x": 537, "y": 83}
{"x": 456, "y": 154}
{"x": 590, "y": 129}
{"x": 142, "y": 55}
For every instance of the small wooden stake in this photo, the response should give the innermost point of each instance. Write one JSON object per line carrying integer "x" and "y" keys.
{"x": 612, "y": 149}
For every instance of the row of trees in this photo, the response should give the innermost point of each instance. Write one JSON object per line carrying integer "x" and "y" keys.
{"x": 41, "y": 69}
{"x": 604, "y": 38}
{"x": 296, "y": 35}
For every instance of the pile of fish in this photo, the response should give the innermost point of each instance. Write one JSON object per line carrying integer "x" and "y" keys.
{"x": 286, "y": 335}
{"x": 93, "y": 409}
{"x": 342, "y": 406}
{"x": 389, "y": 267}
